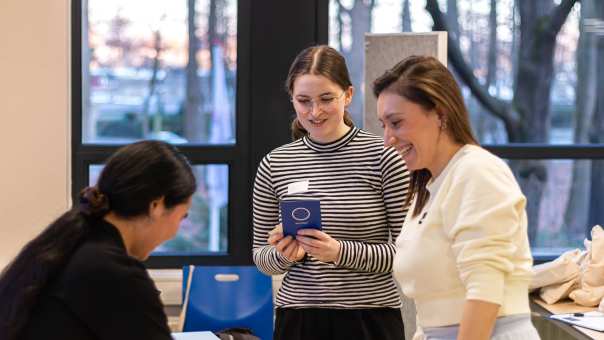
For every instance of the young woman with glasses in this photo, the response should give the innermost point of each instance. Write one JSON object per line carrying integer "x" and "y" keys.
{"x": 338, "y": 281}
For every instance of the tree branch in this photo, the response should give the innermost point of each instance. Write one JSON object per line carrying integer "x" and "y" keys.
{"x": 340, "y": 23}
{"x": 342, "y": 8}
{"x": 494, "y": 105}
{"x": 559, "y": 15}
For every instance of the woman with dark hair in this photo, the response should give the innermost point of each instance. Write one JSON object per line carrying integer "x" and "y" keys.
{"x": 338, "y": 281}
{"x": 463, "y": 254}
{"x": 82, "y": 277}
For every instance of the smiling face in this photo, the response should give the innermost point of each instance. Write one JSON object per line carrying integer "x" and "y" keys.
{"x": 413, "y": 131}
{"x": 320, "y": 105}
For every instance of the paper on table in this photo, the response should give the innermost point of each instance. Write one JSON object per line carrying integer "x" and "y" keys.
{"x": 194, "y": 336}
{"x": 591, "y": 320}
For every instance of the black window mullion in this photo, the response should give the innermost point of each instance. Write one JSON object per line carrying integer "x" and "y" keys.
{"x": 269, "y": 34}
{"x": 547, "y": 151}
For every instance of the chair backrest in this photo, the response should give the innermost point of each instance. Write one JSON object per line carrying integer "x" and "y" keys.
{"x": 221, "y": 297}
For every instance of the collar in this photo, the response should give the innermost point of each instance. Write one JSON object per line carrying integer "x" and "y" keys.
{"x": 331, "y": 146}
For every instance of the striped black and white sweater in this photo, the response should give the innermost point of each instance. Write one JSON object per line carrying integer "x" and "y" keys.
{"x": 362, "y": 188}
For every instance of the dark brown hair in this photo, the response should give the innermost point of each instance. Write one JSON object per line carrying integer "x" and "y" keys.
{"x": 133, "y": 177}
{"x": 318, "y": 60}
{"x": 426, "y": 82}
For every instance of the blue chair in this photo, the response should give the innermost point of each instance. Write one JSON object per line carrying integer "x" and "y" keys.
{"x": 228, "y": 296}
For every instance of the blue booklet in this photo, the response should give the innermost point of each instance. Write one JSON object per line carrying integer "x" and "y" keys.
{"x": 300, "y": 214}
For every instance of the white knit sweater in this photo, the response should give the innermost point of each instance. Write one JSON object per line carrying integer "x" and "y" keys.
{"x": 469, "y": 242}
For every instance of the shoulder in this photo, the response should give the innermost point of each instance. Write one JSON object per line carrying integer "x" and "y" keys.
{"x": 479, "y": 165}
{"x": 369, "y": 137}
{"x": 366, "y": 142}
{"x": 475, "y": 159}
{"x": 103, "y": 269}
{"x": 286, "y": 151}
{"x": 289, "y": 147}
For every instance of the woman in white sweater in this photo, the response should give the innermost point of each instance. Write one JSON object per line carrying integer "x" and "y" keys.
{"x": 463, "y": 254}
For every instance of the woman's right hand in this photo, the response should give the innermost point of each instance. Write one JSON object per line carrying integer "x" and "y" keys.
{"x": 287, "y": 246}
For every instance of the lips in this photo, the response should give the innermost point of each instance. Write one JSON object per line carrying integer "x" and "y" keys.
{"x": 405, "y": 150}
{"x": 317, "y": 122}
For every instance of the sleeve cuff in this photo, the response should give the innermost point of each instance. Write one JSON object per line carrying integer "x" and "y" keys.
{"x": 283, "y": 261}
{"x": 342, "y": 256}
{"x": 485, "y": 284}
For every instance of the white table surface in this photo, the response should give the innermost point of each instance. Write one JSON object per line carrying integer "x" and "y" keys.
{"x": 194, "y": 336}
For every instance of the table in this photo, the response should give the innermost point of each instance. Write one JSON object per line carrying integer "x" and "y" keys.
{"x": 194, "y": 336}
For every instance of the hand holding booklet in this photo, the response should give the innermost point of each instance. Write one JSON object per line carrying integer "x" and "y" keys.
{"x": 300, "y": 214}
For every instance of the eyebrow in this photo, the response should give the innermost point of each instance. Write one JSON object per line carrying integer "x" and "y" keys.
{"x": 322, "y": 94}
{"x": 389, "y": 115}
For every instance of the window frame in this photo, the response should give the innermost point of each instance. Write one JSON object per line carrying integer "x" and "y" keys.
{"x": 535, "y": 151}
{"x": 258, "y": 128}
{"x": 84, "y": 155}
{"x": 542, "y": 151}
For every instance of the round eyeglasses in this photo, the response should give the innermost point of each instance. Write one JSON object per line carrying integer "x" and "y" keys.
{"x": 324, "y": 102}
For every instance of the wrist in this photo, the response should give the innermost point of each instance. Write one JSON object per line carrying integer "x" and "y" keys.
{"x": 336, "y": 260}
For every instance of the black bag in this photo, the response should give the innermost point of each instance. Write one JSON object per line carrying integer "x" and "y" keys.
{"x": 236, "y": 333}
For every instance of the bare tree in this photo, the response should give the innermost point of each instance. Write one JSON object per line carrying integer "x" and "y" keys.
{"x": 514, "y": 53}
{"x": 195, "y": 125}
{"x": 406, "y": 17}
{"x": 213, "y": 19}
{"x": 527, "y": 118}
{"x": 157, "y": 47}
{"x": 216, "y": 32}
{"x": 596, "y": 133}
{"x": 452, "y": 20}
{"x": 492, "y": 51}
{"x": 117, "y": 38}
{"x": 488, "y": 123}
{"x": 360, "y": 22}
{"x": 88, "y": 116}
{"x": 577, "y": 208}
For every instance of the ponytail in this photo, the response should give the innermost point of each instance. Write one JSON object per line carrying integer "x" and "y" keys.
{"x": 39, "y": 262}
{"x": 132, "y": 178}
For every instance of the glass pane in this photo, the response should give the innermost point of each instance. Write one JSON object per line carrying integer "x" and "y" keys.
{"x": 568, "y": 117}
{"x": 565, "y": 200}
{"x": 166, "y": 71}
{"x": 205, "y": 229}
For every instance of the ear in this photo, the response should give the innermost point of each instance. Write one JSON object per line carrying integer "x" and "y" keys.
{"x": 442, "y": 121}
{"x": 348, "y": 96}
{"x": 157, "y": 208}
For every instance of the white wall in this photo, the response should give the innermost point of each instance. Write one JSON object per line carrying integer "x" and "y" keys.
{"x": 34, "y": 119}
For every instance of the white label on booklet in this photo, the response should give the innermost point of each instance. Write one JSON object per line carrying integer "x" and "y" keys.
{"x": 297, "y": 187}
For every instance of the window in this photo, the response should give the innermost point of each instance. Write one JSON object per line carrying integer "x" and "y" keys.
{"x": 205, "y": 227}
{"x": 539, "y": 111}
{"x": 167, "y": 72}
{"x": 130, "y": 63}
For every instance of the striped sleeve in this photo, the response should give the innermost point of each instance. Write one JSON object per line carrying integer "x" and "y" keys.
{"x": 395, "y": 187}
{"x": 378, "y": 257}
{"x": 265, "y": 217}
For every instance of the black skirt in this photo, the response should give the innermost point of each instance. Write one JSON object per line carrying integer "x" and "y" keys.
{"x": 338, "y": 324}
